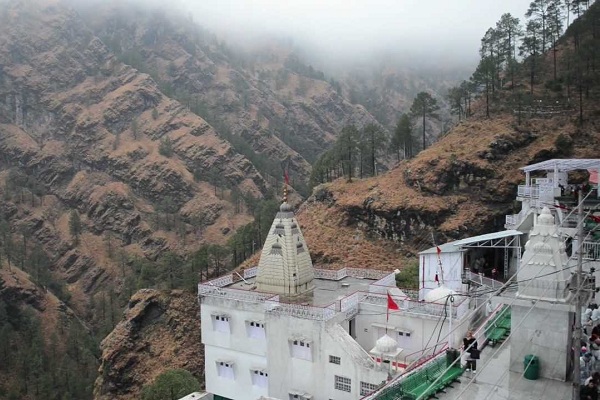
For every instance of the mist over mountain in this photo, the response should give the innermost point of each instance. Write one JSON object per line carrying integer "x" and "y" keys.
{"x": 352, "y": 33}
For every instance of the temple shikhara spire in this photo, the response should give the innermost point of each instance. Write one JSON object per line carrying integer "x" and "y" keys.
{"x": 285, "y": 266}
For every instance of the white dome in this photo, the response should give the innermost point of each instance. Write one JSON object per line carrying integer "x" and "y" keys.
{"x": 545, "y": 217}
{"x": 438, "y": 295}
{"x": 386, "y": 344}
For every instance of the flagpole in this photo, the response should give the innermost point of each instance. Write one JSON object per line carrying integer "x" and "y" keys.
{"x": 387, "y": 319}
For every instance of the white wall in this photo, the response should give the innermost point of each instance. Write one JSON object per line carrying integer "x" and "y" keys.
{"x": 246, "y": 353}
{"x": 421, "y": 327}
{"x": 316, "y": 377}
{"x": 452, "y": 264}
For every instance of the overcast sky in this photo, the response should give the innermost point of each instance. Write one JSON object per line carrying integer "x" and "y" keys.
{"x": 450, "y": 29}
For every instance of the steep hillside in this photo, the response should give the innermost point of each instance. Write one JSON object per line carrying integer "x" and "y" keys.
{"x": 159, "y": 331}
{"x": 81, "y": 131}
{"x": 267, "y": 101}
{"x": 43, "y": 344}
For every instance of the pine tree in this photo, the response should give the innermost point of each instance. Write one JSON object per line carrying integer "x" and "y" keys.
{"x": 375, "y": 142}
{"x": 424, "y": 106}
{"x": 509, "y": 30}
{"x": 402, "y": 139}
{"x": 75, "y": 226}
{"x": 347, "y": 145}
{"x": 531, "y": 48}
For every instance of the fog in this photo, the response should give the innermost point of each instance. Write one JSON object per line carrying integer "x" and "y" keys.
{"x": 438, "y": 31}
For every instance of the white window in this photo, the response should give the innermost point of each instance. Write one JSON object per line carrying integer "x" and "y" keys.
{"x": 260, "y": 378}
{"x": 367, "y": 388}
{"x": 225, "y": 369}
{"x": 343, "y": 383}
{"x": 221, "y": 323}
{"x": 255, "y": 329}
{"x": 335, "y": 360}
{"x": 301, "y": 349}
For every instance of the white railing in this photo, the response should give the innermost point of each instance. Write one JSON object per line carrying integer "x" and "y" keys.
{"x": 591, "y": 250}
{"x": 336, "y": 275}
{"x": 542, "y": 181}
{"x": 330, "y": 274}
{"x": 300, "y": 311}
{"x": 233, "y": 294}
{"x": 366, "y": 273}
{"x": 221, "y": 281}
{"x": 349, "y": 304}
{"x": 544, "y": 192}
{"x": 532, "y": 191}
{"x": 482, "y": 280}
{"x": 514, "y": 220}
{"x": 250, "y": 272}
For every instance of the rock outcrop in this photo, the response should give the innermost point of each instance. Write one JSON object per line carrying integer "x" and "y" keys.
{"x": 159, "y": 331}
{"x": 458, "y": 187}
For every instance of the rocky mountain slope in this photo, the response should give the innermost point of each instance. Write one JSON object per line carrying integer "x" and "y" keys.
{"x": 159, "y": 331}
{"x": 267, "y": 100}
{"x": 43, "y": 344}
{"x": 88, "y": 129}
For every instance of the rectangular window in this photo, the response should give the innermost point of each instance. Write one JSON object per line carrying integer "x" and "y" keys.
{"x": 301, "y": 349}
{"x": 221, "y": 323}
{"x": 335, "y": 360}
{"x": 342, "y": 383}
{"x": 225, "y": 369}
{"x": 256, "y": 329}
{"x": 260, "y": 378}
{"x": 367, "y": 388}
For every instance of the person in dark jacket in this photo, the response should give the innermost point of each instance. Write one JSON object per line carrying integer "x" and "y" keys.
{"x": 470, "y": 347}
{"x": 589, "y": 391}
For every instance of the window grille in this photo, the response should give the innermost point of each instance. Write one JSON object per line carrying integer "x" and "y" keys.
{"x": 367, "y": 388}
{"x": 335, "y": 360}
{"x": 342, "y": 383}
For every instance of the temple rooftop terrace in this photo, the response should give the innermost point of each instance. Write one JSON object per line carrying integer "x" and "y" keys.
{"x": 341, "y": 293}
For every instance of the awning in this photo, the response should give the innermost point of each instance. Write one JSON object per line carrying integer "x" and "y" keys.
{"x": 492, "y": 238}
{"x": 564, "y": 165}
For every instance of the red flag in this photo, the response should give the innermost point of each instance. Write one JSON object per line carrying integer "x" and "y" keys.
{"x": 436, "y": 278}
{"x": 439, "y": 251}
{"x": 286, "y": 177}
{"x": 392, "y": 304}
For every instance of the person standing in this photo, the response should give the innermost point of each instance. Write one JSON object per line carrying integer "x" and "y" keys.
{"x": 470, "y": 347}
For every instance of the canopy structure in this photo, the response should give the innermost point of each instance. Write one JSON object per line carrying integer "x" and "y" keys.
{"x": 503, "y": 239}
{"x": 564, "y": 165}
{"x": 508, "y": 239}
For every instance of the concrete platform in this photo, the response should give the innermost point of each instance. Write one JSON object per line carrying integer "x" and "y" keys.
{"x": 496, "y": 382}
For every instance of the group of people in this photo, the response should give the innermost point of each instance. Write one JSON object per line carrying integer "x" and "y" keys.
{"x": 589, "y": 361}
{"x": 573, "y": 190}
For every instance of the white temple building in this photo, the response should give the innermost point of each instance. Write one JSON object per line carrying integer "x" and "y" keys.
{"x": 285, "y": 330}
